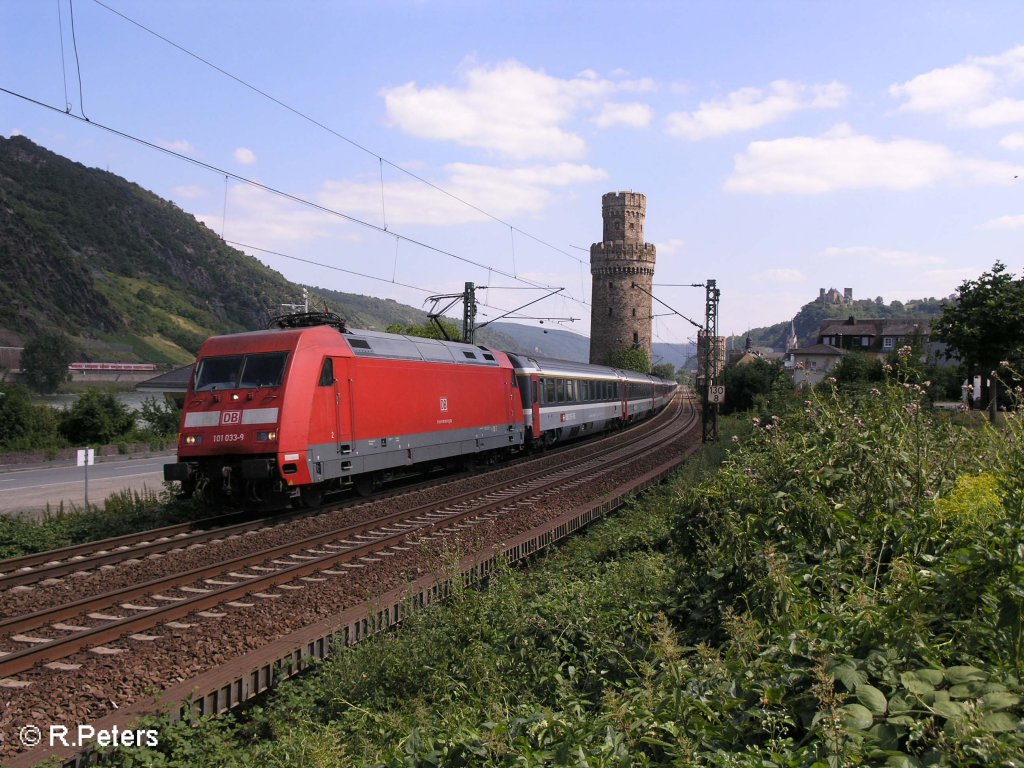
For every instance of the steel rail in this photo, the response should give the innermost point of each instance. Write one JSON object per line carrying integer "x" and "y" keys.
{"x": 19, "y": 661}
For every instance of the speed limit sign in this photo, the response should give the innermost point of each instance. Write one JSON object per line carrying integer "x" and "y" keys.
{"x": 716, "y": 394}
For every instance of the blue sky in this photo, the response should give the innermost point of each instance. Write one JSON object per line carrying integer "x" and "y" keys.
{"x": 783, "y": 146}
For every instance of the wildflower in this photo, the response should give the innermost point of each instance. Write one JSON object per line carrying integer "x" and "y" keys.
{"x": 887, "y": 368}
{"x": 830, "y": 380}
{"x": 912, "y": 408}
{"x": 875, "y": 392}
{"x": 1004, "y": 363}
{"x": 735, "y": 438}
{"x": 904, "y": 352}
{"x": 926, "y": 384}
{"x": 757, "y": 422}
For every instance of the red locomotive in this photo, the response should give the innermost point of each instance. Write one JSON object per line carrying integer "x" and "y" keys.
{"x": 293, "y": 412}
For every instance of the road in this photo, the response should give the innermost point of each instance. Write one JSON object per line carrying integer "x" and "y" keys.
{"x": 31, "y": 488}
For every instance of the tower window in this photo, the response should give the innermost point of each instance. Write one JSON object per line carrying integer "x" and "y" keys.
{"x": 636, "y": 337}
{"x": 634, "y": 311}
{"x": 609, "y": 285}
{"x": 609, "y": 311}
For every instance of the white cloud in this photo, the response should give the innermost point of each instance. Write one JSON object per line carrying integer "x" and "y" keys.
{"x": 501, "y": 192}
{"x": 1005, "y": 222}
{"x": 780, "y": 276}
{"x": 669, "y": 247}
{"x": 190, "y": 192}
{"x": 508, "y": 108}
{"x": 842, "y": 159}
{"x": 940, "y": 90}
{"x": 886, "y": 256}
{"x": 634, "y": 115}
{"x": 245, "y": 156}
{"x": 267, "y": 220}
{"x": 750, "y": 108}
{"x": 1013, "y": 142}
{"x": 180, "y": 146}
{"x": 977, "y": 92}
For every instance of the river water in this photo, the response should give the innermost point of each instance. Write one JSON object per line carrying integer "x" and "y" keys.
{"x": 62, "y": 402}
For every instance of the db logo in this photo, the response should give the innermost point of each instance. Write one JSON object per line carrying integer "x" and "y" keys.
{"x": 231, "y": 417}
{"x": 444, "y": 405}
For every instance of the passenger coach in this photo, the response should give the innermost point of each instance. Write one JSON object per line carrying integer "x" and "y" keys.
{"x": 563, "y": 400}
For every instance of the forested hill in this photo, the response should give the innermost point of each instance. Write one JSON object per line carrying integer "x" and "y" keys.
{"x": 84, "y": 251}
{"x": 133, "y": 277}
{"x": 808, "y": 319}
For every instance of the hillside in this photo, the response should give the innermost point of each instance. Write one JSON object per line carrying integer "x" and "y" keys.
{"x": 85, "y": 251}
{"x": 808, "y": 320}
{"x": 135, "y": 278}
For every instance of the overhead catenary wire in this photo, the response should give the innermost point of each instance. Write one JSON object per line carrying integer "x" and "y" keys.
{"x": 333, "y": 132}
{"x": 63, "y": 63}
{"x": 275, "y": 191}
{"x": 421, "y": 289}
{"x": 78, "y": 64}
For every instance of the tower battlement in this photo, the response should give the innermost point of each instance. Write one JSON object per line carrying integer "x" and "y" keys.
{"x": 622, "y": 268}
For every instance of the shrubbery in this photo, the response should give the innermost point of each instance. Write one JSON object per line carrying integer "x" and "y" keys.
{"x": 97, "y": 417}
{"x": 861, "y": 574}
{"x": 846, "y": 590}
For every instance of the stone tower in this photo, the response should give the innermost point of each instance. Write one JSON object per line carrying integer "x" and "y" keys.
{"x": 620, "y": 315}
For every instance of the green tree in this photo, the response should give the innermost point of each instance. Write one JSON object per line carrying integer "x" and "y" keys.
{"x": 630, "y": 359}
{"x": 45, "y": 360}
{"x": 96, "y": 417}
{"x": 426, "y": 330}
{"x": 24, "y": 426}
{"x": 985, "y": 326}
{"x": 858, "y": 368}
{"x": 665, "y": 371}
{"x": 163, "y": 417}
{"x": 744, "y": 383}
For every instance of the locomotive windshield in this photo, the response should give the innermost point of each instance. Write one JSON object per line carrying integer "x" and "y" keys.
{"x": 241, "y": 371}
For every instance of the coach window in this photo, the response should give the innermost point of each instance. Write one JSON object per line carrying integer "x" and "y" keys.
{"x": 559, "y": 390}
{"x": 327, "y": 373}
{"x": 549, "y": 393}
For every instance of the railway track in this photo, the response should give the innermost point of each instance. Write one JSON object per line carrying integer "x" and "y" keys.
{"x": 176, "y": 597}
{"x": 44, "y": 646}
{"x": 89, "y": 556}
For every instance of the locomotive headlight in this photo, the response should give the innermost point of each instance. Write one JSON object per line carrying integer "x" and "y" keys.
{"x": 193, "y": 439}
{"x": 265, "y": 436}
{"x": 234, "y": 395}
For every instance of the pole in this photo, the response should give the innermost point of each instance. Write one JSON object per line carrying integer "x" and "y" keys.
{"x": 469, "y": 314}
{"x": 712, "y": 362}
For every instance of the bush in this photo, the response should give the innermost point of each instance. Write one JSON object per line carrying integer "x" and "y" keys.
{"x": 862, "y": 582}
{"x": 24, "y": 426}
{"x": 163, "y": 417}
{"x": 96, "y": 417}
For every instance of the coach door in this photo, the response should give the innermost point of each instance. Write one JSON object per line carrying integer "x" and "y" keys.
{"x": 328, "y": 406}
{"x": 535, "y": 403}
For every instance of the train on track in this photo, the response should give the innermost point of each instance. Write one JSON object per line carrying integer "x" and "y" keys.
{"x": 288, "y": 414}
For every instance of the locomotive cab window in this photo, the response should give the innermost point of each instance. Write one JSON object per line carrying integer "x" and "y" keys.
{"x": 265, "y": 370}
{"x": 218, "y": 372}
{"x": 241, "y": 371}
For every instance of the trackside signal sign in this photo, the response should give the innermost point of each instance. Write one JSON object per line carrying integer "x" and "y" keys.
{"x": 716, "y": 394}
